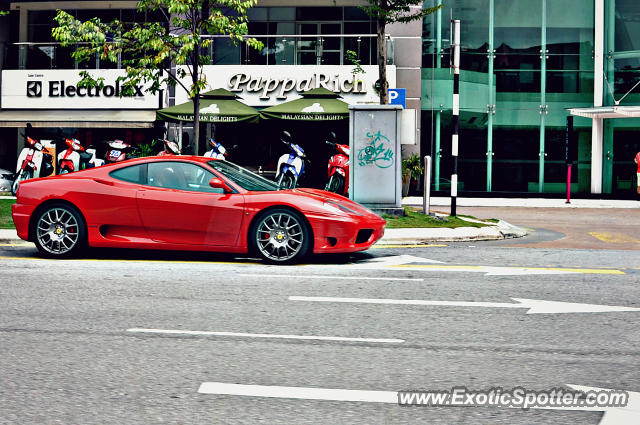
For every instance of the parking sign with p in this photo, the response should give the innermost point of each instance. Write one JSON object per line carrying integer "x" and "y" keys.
{"x": 398, "y": 97}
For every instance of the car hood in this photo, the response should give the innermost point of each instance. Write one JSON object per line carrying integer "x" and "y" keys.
{"x": 323, "y": 196}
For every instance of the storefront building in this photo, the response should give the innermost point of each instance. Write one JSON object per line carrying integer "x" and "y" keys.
{"x": 525, "y": 66}
{"x": 304, "y": 47}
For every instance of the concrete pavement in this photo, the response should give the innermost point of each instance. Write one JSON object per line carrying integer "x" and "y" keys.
{"x": 416, "y": 201}
{"x": 528, "y": 209}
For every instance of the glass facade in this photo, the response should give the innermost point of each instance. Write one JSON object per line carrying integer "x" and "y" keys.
{"x": 523, "y": 62}
{"x": 283, "y": 31}
{"x": 302, "y": 36}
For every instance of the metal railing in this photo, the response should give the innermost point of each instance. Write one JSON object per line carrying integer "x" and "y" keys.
{"x": 279, "y": 49}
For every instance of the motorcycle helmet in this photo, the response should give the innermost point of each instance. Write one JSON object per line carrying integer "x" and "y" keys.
{"x": 286, "y": 137}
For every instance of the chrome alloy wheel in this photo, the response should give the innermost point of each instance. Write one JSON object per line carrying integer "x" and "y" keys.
{"x": 280, "y": 236}
{"x": 57, "y": 231}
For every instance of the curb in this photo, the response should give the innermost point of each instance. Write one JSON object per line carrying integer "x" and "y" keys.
{"x": 406, "y": 236}
{"x": 416, "y": 236}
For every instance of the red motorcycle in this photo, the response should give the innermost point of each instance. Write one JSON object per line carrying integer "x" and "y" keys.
{"x": 117, "y": 151}
{"x": 170, "y": 148}
{"x": 76, "y": 157}
{"x": 338, "y": 171}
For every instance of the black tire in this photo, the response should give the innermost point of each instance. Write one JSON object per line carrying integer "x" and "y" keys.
{"x": 24, "y": 175}
{"x": 280, "y": 236}
{"x": 59, "y": 231}
{"x": 335, "y": 184}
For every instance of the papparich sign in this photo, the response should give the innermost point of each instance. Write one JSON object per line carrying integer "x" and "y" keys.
{"x": 269, "y": 85}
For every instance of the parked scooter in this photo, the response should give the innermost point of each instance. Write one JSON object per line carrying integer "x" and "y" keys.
{"x": 338, "y": 172}
{"x": 217, "y": 151}
{"x": 170, "y": 148}
{"x": 117, "y": 151}
{"x": 75, "y": 158}
{"x": 32, "y": 162}
{"x": 291, "y": 165}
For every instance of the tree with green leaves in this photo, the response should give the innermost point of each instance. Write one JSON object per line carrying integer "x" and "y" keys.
{"x": 158, "y": 54}
{"x": 388, "y": 12}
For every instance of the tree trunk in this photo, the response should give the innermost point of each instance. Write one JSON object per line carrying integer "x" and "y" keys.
{"x": 196, "y": 112}
{"x": 382, "y": 61}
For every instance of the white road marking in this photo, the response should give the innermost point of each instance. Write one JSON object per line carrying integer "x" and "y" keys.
{"x": 328, "y": 277}
{"x": 271, "y": 336}
{"x": 534, "y": 306}
{"x": 394, "y": 260}
{"x": 630, "y": 414}
{"x": 306, "y": 393}
{"x": 504, "y": 271}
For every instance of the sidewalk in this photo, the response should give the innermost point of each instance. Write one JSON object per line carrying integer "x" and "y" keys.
{"x": 416, "y": 201}
{"x": 415, "y": 236}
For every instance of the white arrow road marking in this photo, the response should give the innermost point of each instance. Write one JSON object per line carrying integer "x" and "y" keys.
{"x": 630, "y": 414}
{"x": 395, "y": 260}
{"x": 406, "y": 262}
{"x": 328, "y": 277}
{"x": 534, "y": 306}
{"x": 306, "y": 393}
{"x": 627, "y": 415}
{"x": 271, "y": 336}
{"x": 505, "y": 271}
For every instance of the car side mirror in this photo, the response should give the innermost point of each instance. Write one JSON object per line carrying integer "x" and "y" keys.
{"x": 217, "y": 183}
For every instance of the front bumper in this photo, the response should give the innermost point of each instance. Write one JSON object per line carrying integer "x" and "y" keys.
{"x": 336, "y": 234}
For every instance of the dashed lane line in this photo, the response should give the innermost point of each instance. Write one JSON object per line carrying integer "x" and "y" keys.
{"x": 266, "y": 336}
{"x": 131, "y": 261}
{"x": 491, "y": 270}
{"x": 382, "y": 246}
{"x": 328, "y": 277}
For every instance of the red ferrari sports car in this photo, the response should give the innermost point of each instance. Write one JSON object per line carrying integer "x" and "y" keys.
{"x": 188, "y": 203}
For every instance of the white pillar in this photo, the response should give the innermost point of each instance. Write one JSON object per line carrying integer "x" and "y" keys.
{"x": 598, "y": 59}
{"x": 597, "y": 126}
{"x": 597, "y": 132}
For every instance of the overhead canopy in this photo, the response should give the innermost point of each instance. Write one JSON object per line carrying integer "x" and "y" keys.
{"x": 607, "y": 112}
{"x": 315, "y": 105}
{"x": 218, "y": 105}
{"x": 78, "y": 118}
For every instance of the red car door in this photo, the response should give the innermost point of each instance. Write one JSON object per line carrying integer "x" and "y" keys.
{"x": 178, "y": 206}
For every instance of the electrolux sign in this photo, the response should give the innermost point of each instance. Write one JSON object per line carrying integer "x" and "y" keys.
{"x": 58, "y": 89}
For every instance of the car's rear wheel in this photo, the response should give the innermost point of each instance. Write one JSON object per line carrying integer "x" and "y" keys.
{"x": 280, "y": 236}
{"x": 59, "y": 230}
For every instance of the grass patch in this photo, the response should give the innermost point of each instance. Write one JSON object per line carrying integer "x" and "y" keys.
{"x": 5, "y": 213}
{"x": 417, "y": 219}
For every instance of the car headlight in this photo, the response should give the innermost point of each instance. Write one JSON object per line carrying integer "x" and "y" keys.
{"x": 336, "y": 207}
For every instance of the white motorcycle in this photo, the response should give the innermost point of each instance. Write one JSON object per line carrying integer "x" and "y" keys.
{"x": 291, "y": 165}
{"x": 32, "y": 163}
{"x": 217, "y": 151}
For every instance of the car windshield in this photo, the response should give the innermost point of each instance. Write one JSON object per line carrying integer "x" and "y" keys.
{"x": 243, "y": 177}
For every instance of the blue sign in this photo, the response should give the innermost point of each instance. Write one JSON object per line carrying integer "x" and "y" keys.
{"x": 398, "y": 97}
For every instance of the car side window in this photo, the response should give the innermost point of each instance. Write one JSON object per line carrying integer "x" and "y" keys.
{"x": 180, "y": 176}
{"x": 132, "y": 174}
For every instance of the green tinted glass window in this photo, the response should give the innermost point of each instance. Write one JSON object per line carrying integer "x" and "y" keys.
{"x": 133, "y": 174}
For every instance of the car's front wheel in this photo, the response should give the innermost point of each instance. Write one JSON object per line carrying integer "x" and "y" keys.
{"x": 59, "y": 230}
{"x": 280, "y": 236}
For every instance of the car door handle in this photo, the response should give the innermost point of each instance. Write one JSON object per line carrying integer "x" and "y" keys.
{"x": 102, "y": 181}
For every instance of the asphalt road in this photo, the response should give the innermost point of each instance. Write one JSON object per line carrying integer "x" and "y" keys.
{"x": 71, "y": 354}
